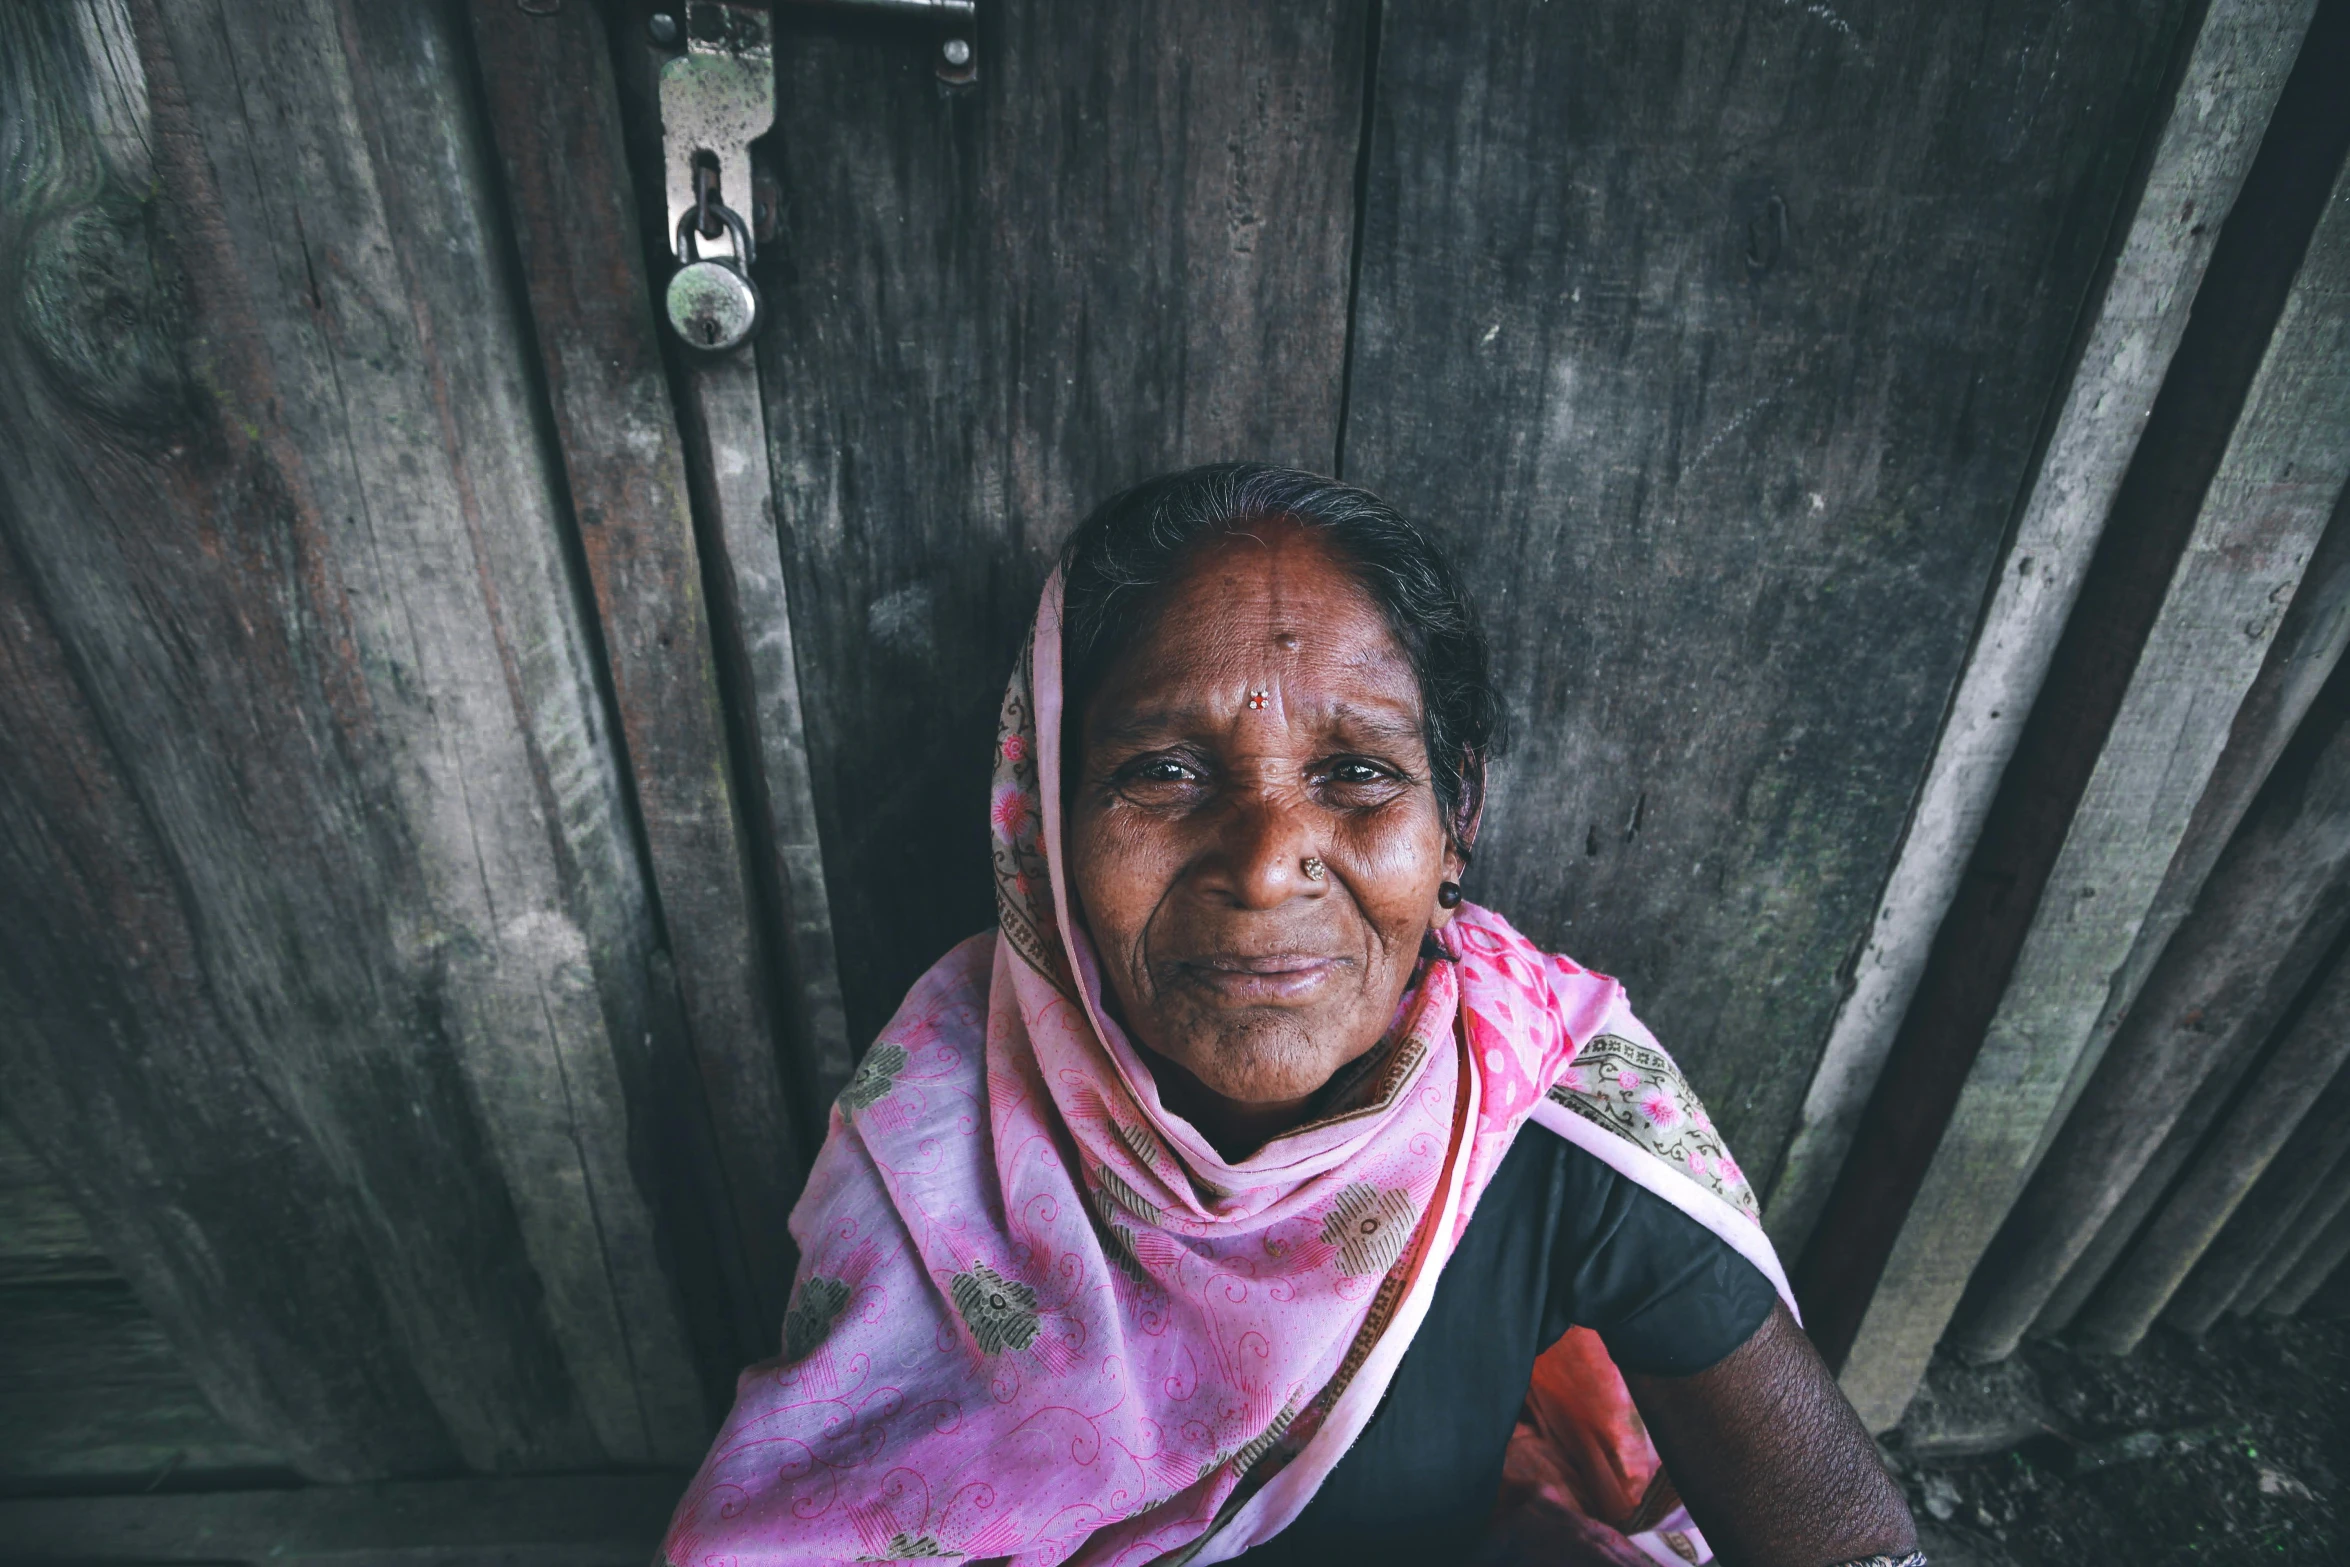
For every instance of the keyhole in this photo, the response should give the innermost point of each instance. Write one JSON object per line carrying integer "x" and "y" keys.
{"x": 709, "y": 332}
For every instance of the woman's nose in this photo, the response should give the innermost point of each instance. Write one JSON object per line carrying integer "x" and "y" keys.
{"x": 1263, "y": 844}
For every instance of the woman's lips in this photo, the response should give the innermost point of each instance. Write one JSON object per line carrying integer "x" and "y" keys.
{"x": 1260, "y": 978}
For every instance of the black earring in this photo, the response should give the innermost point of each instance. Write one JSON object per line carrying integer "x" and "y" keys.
{"x": 1449, "y": 894}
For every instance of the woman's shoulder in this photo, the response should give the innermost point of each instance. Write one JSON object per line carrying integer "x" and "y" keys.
{"x": 1483, "y": 936}
{"x": 960, "y": 978}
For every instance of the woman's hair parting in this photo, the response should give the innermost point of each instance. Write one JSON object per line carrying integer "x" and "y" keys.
{"x": 1137, "y": 541}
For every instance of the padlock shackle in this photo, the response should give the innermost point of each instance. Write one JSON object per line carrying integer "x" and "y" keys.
{"x": 689, "y": 243}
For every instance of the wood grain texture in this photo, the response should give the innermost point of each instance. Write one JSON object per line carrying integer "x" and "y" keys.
{"x": 2255, "y": 1249}
{"x": 2235, "y": 1156}
{"x": 2274, "y": 901}
{"x": 43, "y": 1237}
{"x": 1124, "y": 251}
{"x": 2129, "y": 1216}
{"x": 2210, "y": 129}
{"x": 2308, "y": 647}
{"x": 726, "y": 424}
{"x": 2260, "y": 518}
{"x": 2326, "y": 1204}
{"x": 1731, "y": 501}
{"x": 610, "y": 1520}
{"x": 323, "y": 924}
{"x": 96, "y": 1395}
{"x": 723, "y": 1131}
{"x": 2326, "y": 1254}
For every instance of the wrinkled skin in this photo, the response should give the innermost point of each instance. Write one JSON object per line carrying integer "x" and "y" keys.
{"x": 1248, "y": 984}
{"x": 1193, "y": 814}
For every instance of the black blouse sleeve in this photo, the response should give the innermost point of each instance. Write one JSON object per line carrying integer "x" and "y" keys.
{"x": 1665, "y": 1294}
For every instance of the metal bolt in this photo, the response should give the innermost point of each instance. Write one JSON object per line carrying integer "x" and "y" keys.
{"x": 957, "y": 51}
{"x": 664, "y": 28}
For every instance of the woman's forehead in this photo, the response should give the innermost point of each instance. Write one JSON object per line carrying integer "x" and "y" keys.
{"x": 1273, "y": 611}
{"x": 1278, "y": 584}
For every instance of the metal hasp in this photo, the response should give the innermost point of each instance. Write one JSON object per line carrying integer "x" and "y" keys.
{"x": 716, "y": 99}
{"x": 956, "y": 59}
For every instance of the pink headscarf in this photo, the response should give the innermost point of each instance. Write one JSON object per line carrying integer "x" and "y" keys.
{"x": 1039, "y": 1317}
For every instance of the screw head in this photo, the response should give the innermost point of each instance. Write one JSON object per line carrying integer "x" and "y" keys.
{"x": 663, "y": 28}
{"x": 957, "y": 51}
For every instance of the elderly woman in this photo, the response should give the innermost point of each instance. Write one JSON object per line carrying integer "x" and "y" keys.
{"x": 1218, "y": 1204}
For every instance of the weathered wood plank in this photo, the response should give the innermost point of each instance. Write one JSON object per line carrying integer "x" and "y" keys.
{"x": 2309, "y": 645}
{"x": 94, "y": 1394}
{"x": 43, "y": 1237}
{"x": 2274, "y": 901}
{"x": 728, "y": 465}
{"x": 1124, "y": 251}
{"x": 2223, "y": 1172}
{"x": 2255, "y": 1250}
{"x": 727, "y": 425}
{"x": 2138, "y": 1203}
{"x": 2326, "y": 1254}
{"x": 2260, "y": 518}
{"x": 2283, "y": 1213}
{"x": 607, "y": 1520}
{"x": 1733, "y": 503}
{"x": 2210, "y": 129}
{"x": 323, "y": 920}
{"x": 549, "y": 85}
{"x": 2330, "y": 1200}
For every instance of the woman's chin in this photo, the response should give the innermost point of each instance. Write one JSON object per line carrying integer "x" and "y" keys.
{"x": 1264, "y": 1062}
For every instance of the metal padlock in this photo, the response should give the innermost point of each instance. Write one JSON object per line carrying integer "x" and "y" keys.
{"x": 712, "y": 302}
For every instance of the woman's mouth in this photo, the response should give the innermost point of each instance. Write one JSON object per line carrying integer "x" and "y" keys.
{"x": 1262, "y": 978}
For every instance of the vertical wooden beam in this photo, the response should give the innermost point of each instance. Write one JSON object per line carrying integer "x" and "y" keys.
{"x": 727, "y": 423}
{"x": 2259, "y": 520}
{"x": 2326, "y": 1253}
{"x": 2238, "y": 1152}
{"x": 548, "y": 81}
{"x": 2248, "y": 1258}
{"x": 2201, "y": 151}
{"x": 325, "y": 935}
{"x": 2328, "y": 1199}
{"x": 734, "y": 487}
{"x": 2270, "y": 908}
{"x": 2308, "y": 648}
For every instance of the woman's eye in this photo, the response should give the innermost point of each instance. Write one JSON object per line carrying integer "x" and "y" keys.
{"x": 1155, "y": 770}
{"x": 1355, "y": 773}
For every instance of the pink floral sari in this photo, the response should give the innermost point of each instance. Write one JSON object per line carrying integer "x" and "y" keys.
{"x": 1039, "y": 1318}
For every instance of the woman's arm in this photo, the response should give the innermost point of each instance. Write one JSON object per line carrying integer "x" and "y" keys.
{"x": 1775, "y": 1466}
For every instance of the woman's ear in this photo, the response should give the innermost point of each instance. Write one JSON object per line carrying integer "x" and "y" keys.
{"x": 1460, "y": 836}
{"x": 1468, "y": 811}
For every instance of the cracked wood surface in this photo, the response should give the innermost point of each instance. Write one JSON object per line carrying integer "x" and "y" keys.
{"x": 326, "y": 942}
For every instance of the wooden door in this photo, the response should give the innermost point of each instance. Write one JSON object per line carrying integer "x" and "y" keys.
{"x": 438, "y": 901}
{"x": 1716, "y": 338}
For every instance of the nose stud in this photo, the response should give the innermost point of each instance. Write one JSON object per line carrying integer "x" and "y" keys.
{"x": 1312, "y": 867}
{"x": 1258, "y": 701}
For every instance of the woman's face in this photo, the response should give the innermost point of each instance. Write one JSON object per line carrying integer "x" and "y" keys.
{"x": 1265, "y": 717}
